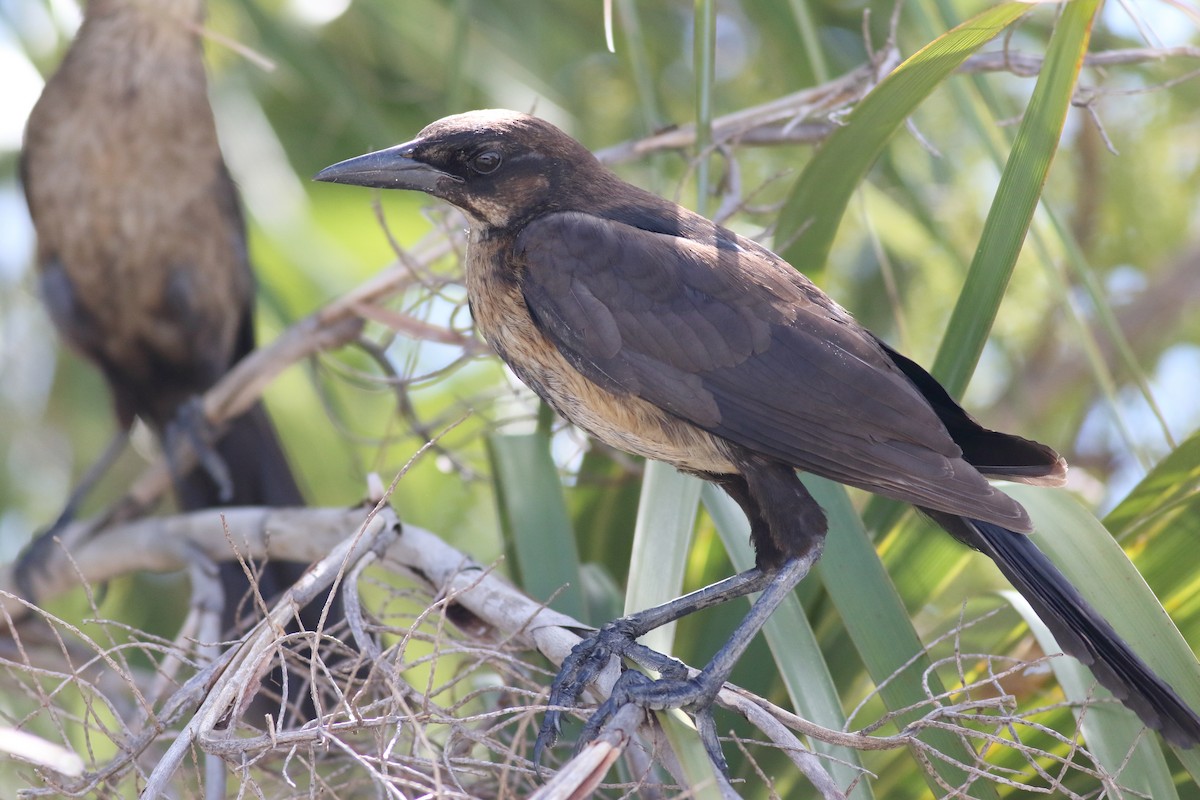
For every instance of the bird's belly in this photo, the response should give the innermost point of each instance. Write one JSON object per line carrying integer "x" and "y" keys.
{"x": 621, "y": 420}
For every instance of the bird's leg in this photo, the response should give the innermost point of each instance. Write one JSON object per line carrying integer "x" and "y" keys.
{"x": 191, "y": 425}
{"x": 37, "y": 553}
{"x": 698, "y": 694}
{"x": 675, "y": 689}
{"x": 94, "y": 473}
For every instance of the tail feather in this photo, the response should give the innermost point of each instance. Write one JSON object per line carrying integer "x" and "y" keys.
{"x": 259, "y": 470}
{"x": 260, "y": 476}
{"x": 995, "y": 454}
{"x": 1080, "y": 630}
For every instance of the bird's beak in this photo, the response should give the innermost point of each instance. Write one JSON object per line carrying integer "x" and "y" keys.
{"x": 386, "y": 169}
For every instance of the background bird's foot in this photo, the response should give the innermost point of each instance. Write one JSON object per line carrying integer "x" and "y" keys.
{"x": 191, "y": 425}
{"x": 33, "y": 561}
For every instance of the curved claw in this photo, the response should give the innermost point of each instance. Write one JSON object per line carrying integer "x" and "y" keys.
{"x": 32, "y": 561}
{"x": 697, "y": 695}
{"x": 585, "y": 663}
{"x": 706, "y": 726}
{"x": 623, "y": 690}
{"x": 579, "y": 668}
{"x": 191, "y": 425}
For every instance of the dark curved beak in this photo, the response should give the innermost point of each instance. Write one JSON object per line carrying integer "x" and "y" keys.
{"x": 386, "y": 169}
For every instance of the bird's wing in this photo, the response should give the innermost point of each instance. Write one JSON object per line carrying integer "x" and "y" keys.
{"x": 723, "y": 333}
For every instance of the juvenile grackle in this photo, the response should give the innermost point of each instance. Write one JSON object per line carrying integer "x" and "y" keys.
{"x": 142, "y": 248}
{"x": 666, "y": 335}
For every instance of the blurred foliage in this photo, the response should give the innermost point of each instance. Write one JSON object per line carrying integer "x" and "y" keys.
{"x": 374, "y": 74}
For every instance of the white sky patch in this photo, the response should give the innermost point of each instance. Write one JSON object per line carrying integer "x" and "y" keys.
{"x": 1164, "y": 24}
{"x": 18, "y": 92}
{"x": 68, "y": 13}
{"x": 317, "y": 12}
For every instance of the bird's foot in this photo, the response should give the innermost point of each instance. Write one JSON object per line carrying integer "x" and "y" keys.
{"x": 34, "y": 561}
{"x": 675, "y": 689}
{"x": 190, "y": 424}
{"x": 32, "y": 564}
{"x": 584, "y": 664}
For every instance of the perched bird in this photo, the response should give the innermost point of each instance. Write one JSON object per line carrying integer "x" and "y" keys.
{"x": 141, "y": 248}
{"x": 663, "y": 334}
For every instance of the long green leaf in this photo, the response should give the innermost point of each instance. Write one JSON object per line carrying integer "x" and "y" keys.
{"x": 661, "y": 541}
{"x": 1009, "y": 216}
{"x": 533, "y": 515}
{"x": 1113, "y": 732}
{"x": 670, "y": 499}
{"x": 1085, "y": 552}
{"x": 811, "y": 214}
{"x": 878, "y": 623}
{"x": 1016, "y": 199}
{"x": 1170, "y": 491}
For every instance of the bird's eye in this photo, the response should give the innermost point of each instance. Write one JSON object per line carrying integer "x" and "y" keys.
{"x": 485, "y": 162}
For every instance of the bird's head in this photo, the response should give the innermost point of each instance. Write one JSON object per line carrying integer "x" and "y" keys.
{"x": 497, "y": 166}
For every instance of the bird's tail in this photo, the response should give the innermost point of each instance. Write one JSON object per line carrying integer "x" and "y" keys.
{"x": 1080, "y": 630}
{"x": 259, "y": 470}
{"x": 259, "y": 476}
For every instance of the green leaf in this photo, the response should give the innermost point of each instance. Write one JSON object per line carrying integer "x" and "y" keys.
{"x": 1166, "y": 496}
{"x": 812, "y": 212}
{"x": 879, "y": 624}
{"x": 1113, "y": 732}
{"x": 1016, "y": 199}
{"x": 1093, "y": 561}
{"x": 661, "y": 541}
{"x": 1087, "y": 554}
{"x": 533, "y": 515}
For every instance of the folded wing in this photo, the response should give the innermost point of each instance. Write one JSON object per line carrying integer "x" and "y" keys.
{"x": 758, "y": 356}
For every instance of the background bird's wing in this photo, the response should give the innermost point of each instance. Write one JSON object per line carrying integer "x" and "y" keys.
{"x": 724, "y": 334}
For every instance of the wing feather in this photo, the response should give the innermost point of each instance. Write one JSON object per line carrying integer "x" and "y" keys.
{"x": 723, "y": 333}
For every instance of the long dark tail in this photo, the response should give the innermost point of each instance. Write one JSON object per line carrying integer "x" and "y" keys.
{"x": 1079, "y": 628}
{"x": 260, "y": 476}
{"x": 995, "y": 454}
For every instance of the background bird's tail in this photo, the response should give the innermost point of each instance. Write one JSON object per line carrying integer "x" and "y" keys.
{"x": 1080, "y": 630}
{"x": 260, "y": 476}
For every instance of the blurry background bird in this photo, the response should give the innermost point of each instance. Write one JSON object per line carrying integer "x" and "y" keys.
{"x": 141, "y": 250}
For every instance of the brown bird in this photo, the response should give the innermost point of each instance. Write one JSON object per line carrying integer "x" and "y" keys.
{"x": 663, "y": 334}
{"x": 142, "y": 248}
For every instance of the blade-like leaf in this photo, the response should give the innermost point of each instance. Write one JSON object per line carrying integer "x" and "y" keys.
{"x": 1113, "y": 732}
{"x": 661, "y": 540}
{"x": 1087, "y": 554}
{"x": 1092, "y": 560}
{"x": 880, "y": 627}
{"x": 813, "y": 210}
{"x": 1016, "y": 199}
{"x": 534, "y": 517}
{"x": 1168, "y": 492}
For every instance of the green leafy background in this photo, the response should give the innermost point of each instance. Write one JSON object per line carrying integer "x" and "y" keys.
{"x": 977, "y": 221}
